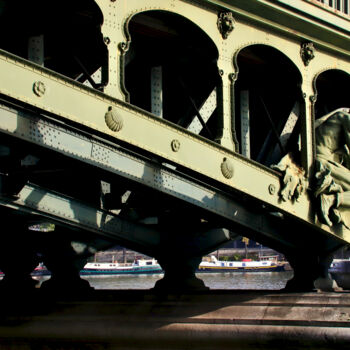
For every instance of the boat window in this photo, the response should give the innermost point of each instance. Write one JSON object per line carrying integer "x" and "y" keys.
{"x": 222, "y": 264}
{"x": 243, "y": 264}
{"x": 268, "y": 102}
{"x": 231, "y": 264}
{"x": 171, "y": 71}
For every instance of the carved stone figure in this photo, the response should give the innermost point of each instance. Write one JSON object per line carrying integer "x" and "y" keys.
{"x": 332, "y": 188}
{"x": 294, "y": 183}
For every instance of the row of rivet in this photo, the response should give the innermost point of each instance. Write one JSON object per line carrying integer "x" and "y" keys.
{"x": 115, "y": 123}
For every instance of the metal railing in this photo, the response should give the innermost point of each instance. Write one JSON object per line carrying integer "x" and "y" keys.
{"x": 338, "y": 6}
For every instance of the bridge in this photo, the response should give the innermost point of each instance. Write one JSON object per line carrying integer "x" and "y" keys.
{"x": 168, "y": 126}
{"x": 156, "y": 127}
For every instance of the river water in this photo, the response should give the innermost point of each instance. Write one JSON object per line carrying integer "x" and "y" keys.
{"x": 236, "y": 280}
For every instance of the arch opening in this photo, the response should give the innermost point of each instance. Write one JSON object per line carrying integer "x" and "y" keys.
{"x": 171, "y": 71}
{"x": 64, "y": 36}
{"x": 268, "y": 102}
{"x": 332, "y": 92}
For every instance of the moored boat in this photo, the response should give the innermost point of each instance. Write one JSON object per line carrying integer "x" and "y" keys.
{"x": 246, "y": 265}
{"x": 151, "y": 266}
{"x": 142, "y": 266}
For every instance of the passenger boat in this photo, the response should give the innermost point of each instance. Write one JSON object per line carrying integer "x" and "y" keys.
{"x": 151, "y": 266}
{"x": 142, "y": 266}
{"x": 246, "y": 265}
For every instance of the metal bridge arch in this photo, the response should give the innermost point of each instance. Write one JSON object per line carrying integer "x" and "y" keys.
{"x": 170, "y": 68}
{"x": 330, "y": 91}
{"x": 268, "y": 98}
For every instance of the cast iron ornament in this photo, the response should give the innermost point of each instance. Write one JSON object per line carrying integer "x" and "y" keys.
{"x": 307, "y": 52}
{"x": 113, "y": 120}
{"x": 226, "y": 24}
{"x": 227, "y": 168}
{"x": 39, "y": 88}
{"x": 175, "y": 145}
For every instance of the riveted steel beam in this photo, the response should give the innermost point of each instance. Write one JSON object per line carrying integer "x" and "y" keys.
{"x": 50, "y": 135}
{"x": 129, "y": 125}
{"x": 141, "y": 129}
{"x": 115, "y": 160}
{"x": 39, "y": 202}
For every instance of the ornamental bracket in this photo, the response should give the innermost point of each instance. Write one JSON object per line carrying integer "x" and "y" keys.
{"x": 307, "y": 52}
{"x": 225, "y": 23}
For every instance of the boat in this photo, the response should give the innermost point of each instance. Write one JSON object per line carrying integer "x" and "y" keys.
{"x": 142, "y": 266}
{"x": 264, "y": 264}
{"x": 40, "y": 270}
{"x": 151, "y": 266}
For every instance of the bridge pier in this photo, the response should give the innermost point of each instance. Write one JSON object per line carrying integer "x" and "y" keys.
{"x": 17, "y": 257}
{"x": 179, "y": 274}
{"x": 310, "y": 273}
{"x": 193, "y": 240}
{"x": 64, "y": 263}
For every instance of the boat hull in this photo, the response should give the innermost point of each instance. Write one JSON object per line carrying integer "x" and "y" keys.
{"x": 273, "y": 268}
{"x": 100, "y": 272}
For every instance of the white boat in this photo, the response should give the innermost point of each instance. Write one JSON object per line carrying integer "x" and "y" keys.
{"x": 151, "y": 266}
{"x": 246, "y": 265}
{"x": 142, "y": 266}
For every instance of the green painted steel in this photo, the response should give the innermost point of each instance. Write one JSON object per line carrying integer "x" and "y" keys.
{"x": 234, "y": 38}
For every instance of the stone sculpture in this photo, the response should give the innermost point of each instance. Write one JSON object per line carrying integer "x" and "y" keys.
{"x": 332, "y": 176}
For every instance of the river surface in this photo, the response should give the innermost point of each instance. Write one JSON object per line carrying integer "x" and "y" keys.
{"x": 223, "y": 280}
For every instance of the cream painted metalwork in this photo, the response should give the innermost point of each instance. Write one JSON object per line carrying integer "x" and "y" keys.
{"x": 73, "y": 102}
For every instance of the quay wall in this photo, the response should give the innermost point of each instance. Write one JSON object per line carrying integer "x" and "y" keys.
{"x": 209, "y": 320}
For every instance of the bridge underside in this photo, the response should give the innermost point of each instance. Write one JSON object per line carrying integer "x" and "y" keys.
{"x": 88, "y": 146}
{"x": 99, "y": 194}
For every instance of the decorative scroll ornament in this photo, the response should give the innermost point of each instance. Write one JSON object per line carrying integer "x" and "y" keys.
{"x": 227, "y": 168}
{"x": 226, "y": 23}
{"x": 113, "y": 120}
{"x": 307, "y": 52}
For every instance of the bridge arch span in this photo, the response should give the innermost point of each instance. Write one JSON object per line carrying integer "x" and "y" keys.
{"x": 171, "y": 70}
{"x": 331, "y": 88}
{"x": 268, "y": 100}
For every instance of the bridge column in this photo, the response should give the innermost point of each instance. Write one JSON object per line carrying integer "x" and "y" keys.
{"x": 64, "y": 263}
{"x": 310, "y": 273}
{"x": 17, "y": 257}
{"x": 179, "y": 273}
{"x": 183, "y": 244}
